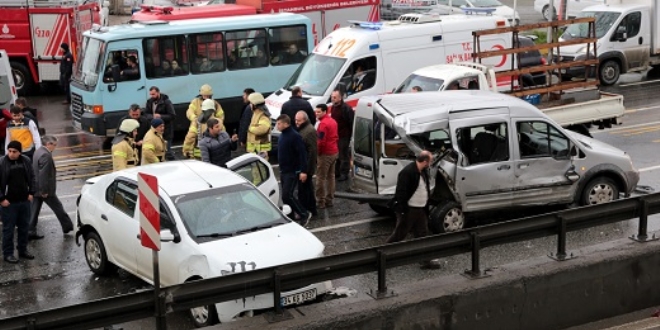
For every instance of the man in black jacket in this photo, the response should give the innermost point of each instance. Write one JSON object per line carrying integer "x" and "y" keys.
{"x": 66, "y": 70}
{"x": 244, "y": 123}
{"x": 292, "y": 156}
{"x": 306, "y": 192}
{"x": 216, "y": 145}
{"x": 17, "y": 186}
{"x": 297, "y": 103}
{"x": 411, "y": 202}
{"x": 160, "y": 106}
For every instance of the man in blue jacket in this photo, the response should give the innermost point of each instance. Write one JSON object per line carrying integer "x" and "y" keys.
{"x": 292, "y": 156}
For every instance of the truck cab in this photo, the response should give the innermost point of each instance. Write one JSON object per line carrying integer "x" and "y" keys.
{"x": 628, "y": 39}
{"x": 491, "y": 151}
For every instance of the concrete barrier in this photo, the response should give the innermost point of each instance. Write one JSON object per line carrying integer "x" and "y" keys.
{"x": 603, "y": 281}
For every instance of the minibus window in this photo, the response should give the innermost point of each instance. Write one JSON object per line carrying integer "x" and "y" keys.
{"x": 165, "y": 56}
{"x": 288, "y": 45}
{"x": 208, "y": 51}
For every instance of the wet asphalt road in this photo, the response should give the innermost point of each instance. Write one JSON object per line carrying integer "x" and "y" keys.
{"x": 59, "y": 275}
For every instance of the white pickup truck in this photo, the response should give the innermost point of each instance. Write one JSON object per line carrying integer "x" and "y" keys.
{"x": 576, "y": 109}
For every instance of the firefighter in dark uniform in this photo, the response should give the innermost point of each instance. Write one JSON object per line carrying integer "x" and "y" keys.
{"x": 66, "y": 70}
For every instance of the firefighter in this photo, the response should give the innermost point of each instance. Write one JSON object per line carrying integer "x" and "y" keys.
{"x": 154, "y": 145}
{"x": 124, "y": 154}
{"x": 258, "y": 136}
{"x": 193, "y": 114}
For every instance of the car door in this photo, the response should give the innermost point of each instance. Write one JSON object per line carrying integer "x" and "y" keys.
{"x": 122, "y": 226}
{"x": 258, "y": 171}
{"x": 129, "y": 87}
{"x": 636, "y": 44}
{"x": 484, "y": 172}
{"x": 542, "y": 164}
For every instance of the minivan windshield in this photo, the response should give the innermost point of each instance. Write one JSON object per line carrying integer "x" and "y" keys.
{"x": 604, "y": 21}
{"x": 315, "y": 74}
{"x": 90, "y": 62}
{"x": 227, "y": 211}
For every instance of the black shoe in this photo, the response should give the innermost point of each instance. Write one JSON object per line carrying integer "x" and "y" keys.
{"x": 11, "y": 259}
{"x": 25, "y": 255}
{"x": 35, "y": 236}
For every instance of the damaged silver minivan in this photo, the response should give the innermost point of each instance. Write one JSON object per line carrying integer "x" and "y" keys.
{"x": 492, "y": 152}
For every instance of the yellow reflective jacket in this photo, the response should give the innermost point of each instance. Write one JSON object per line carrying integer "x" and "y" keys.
{"x": 258, "y": 136}
{"x": 124, "y": 155}
{"x": 153, "y": 148}
{"x": 195, "y": 110}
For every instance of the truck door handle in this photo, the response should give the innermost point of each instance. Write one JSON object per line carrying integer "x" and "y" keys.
{"x": 523, "y": 165}
{"x": 272, "y": 192}
{"x": 503, "y": 167}
{"x": 104, "y": 217}
{"x": 390, "y": 162}
{"x": 141, "y": 88}
{"x": 641, "y": 40}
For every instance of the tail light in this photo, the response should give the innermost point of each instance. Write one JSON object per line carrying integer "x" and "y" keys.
{"x": 543, "y": 60}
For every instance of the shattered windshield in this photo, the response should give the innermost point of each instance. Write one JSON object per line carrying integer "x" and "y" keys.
{"x": 604, "y": 21}
{"x": 90, "y": 62}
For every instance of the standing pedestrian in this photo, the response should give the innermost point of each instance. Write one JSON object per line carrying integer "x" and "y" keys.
{"x": 327, "y": 149}
{"x": 160, "y": 106}
{"x": 244, "y": 124}
{"x": 306, "y": 194}
{"x": 216, "y": 145}
{"x": 410, "y": 202}
{"x": 17, "y": 186}
{"x": 28, "y": 112}
{"x": 46, "y": 188}
{"x": 23, "y": 130}
{"x": 134, "y": 112}
{"x": 5, "y": 118}
{"x": 297, "y": 103}
{"x": 343, "y": 114}
{"x": 154, "y": 145}
{"x": 124, "y": 154}
{"x": 292, "y": 156}
{"x": 258, "y": 136}
{"x": 193, "y": 114}
{"x": 66, "y": 70}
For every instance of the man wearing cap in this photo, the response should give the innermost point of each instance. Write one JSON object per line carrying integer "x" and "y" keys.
{"x": 194, "y": 112}
{"x": 124, "y": 154}
{"x": 258, "y": 136}
{"x": 154, "y": 145}
{"x": 216, "y": 145}
{"x": 17, "y": 186}
{"x": 66, "y": 70}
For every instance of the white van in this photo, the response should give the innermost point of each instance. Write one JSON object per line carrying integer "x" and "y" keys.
{"x": 7, "y": 88}
{"x": 388, "y": 52}
{"x": 492, "y": 152}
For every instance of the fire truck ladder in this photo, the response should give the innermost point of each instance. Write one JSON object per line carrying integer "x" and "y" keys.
{"x": 554, "y": 46}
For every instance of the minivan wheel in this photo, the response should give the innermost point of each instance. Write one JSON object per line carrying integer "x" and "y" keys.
{"x": 204, "y": 316}
{"x": 97, "y": 258}
{"x": 546, "y": 13}
{"x": 600, "y": 190}
{"x": 447, "y": 217}
{"x": 609, "y": 72}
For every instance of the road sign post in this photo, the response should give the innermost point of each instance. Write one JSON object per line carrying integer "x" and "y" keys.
{"x": 150, "y": 234}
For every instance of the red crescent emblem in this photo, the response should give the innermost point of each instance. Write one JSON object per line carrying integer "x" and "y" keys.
{"x": 500, "y": 47}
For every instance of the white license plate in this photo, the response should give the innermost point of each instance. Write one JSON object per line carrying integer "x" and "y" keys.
{"x": 299, "y": 298}
{"x": 363, "y": 172}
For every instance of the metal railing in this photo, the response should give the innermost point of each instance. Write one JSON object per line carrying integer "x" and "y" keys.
{"x": 295, "y": 275}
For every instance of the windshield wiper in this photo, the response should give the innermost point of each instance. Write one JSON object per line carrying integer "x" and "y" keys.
{"x": 255, "y": 228}
{"x": 216, "y": 235}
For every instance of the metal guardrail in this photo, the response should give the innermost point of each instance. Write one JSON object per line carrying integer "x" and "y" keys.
{"x": 295, "y": 275}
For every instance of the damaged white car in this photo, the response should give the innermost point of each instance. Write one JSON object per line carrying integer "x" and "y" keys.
{"x": 492, "y": 152}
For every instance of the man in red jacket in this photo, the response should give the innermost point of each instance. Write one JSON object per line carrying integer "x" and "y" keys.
{"x": 327, "y": 139}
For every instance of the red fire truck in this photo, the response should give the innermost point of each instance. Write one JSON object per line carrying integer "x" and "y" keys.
{"x": 326, "y": 15}
{"x": 31, "y": 31}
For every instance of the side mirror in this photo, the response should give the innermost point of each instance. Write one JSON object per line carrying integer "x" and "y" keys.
{"x": 116, "y": 76}
{"x": 574, "y": 151}
{"x": 286, "y": 209}
{"x": 166, "y": 235}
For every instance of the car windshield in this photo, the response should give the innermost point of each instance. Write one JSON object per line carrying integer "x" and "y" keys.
{"x": 604, "y": 21}
{"x": 89, "y": 62}
{"x": 486, "y": 3}
{"x": 315, "y": 74}
{"x": 426, "y": 84}
{"x": 227, "y": 211}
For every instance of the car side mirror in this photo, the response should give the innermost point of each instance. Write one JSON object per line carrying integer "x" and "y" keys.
{"x": 116, "y": 76}
{"x": 167, "y": 235}
{"x": 286, "y": 209}
{"x": 574, "y": 151}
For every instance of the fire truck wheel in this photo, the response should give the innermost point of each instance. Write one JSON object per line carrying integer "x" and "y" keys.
{"x": 22, "y": 78}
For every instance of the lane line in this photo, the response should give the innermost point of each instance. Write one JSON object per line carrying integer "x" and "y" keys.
{"x": 616, "y": 129}
{"x": 650, "y": 168}
{"x": 639, "y": 83}
{"x": 652, "y": 107}
{"x": 348, "y": 224}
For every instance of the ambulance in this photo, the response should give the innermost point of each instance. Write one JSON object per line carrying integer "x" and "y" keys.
{"x": 382, "y": 54}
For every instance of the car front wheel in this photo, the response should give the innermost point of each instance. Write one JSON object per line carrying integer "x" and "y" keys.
{"x": 96, "y": 256}
{"x": 447, "y": 217}
{"x": 609, "y": 72}
{"x": 203, "y": 316}
{"x": 600, "y": 190}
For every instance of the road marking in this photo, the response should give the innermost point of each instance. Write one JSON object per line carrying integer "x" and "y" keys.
{"x": 650, "y": 168}
{"x": 639, "y": 83}
{"x": 616, "y": 129}
{"x": 348, "y": 224}
{"x": 654, "y": 107}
